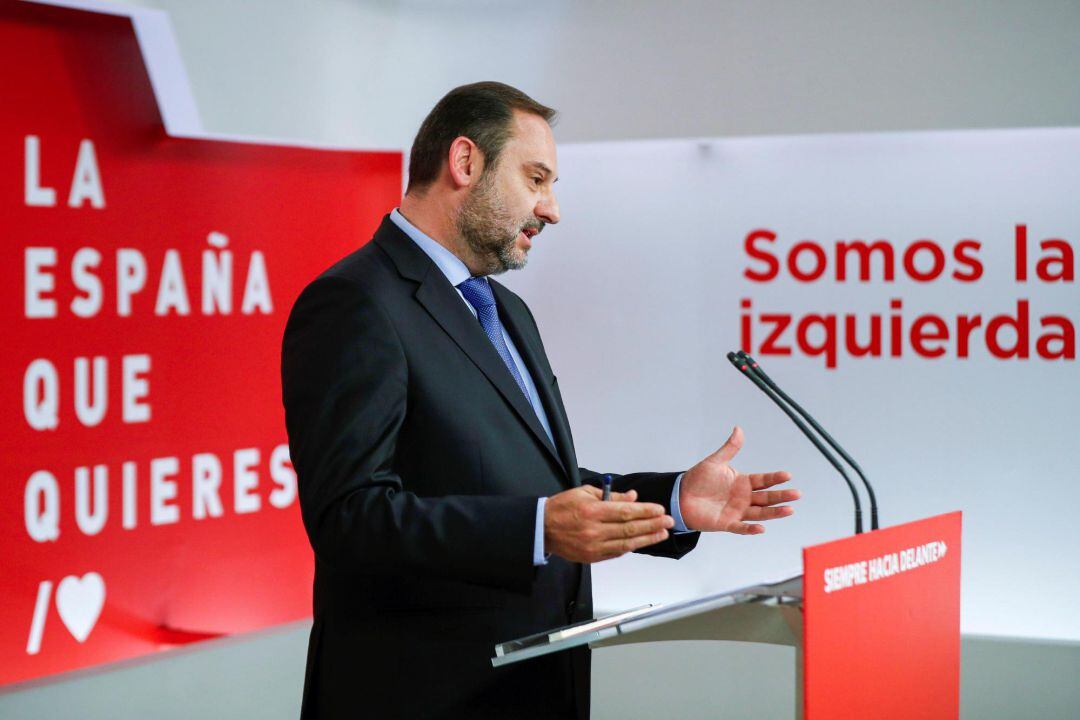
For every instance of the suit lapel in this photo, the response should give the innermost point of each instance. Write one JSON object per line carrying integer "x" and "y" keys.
{"x": 442, "y": 302}
{"x": 531, "y": 352}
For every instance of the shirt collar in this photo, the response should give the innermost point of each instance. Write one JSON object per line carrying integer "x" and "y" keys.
{"x": 450, "y": 264}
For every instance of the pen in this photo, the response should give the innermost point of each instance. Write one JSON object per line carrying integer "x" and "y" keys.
{"x": 607, "y": 487}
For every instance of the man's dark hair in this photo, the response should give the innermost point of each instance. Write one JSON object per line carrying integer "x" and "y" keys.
{"x": 482, "y": 112}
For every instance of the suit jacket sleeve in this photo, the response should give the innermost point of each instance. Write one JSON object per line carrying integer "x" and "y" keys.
{"x": 344, "y": 386}
{"x": 654, "y": 488}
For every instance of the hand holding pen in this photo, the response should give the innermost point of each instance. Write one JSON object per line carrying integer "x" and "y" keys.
{"x": 589, "y": 524}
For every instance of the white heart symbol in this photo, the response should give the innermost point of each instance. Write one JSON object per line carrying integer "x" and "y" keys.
{"x": 79, "y": 601}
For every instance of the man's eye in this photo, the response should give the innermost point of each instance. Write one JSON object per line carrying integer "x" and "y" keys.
{"x": 538, "y": 180}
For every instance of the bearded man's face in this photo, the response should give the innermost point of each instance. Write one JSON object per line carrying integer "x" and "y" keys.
{"x": 513, "y": 200}
{"x": 491, "y": 230}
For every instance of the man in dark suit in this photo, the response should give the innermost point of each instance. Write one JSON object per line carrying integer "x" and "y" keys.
{"x": 438, "y": 481}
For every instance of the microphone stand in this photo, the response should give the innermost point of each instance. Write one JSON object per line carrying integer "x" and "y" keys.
{"x": 755, "y": 368}
{"x": 744, "y": 367}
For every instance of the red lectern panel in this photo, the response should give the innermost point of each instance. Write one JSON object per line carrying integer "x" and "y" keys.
{"x": 881, "y": 631}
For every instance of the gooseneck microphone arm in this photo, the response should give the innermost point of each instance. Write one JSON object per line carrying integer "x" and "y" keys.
{"x": 744, "y": 367}
{"x": 756, "y": 369}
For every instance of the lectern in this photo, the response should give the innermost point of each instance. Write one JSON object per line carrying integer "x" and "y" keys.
{"x": 874, "y": 619}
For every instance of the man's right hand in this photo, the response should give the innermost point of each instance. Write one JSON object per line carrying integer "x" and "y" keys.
{"x": 581, "y": 527}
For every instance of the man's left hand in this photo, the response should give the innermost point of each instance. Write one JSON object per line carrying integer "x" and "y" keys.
{"x": 714, "y": 496}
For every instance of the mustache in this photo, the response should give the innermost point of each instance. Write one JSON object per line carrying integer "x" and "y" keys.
{"x": 535, "y": 224}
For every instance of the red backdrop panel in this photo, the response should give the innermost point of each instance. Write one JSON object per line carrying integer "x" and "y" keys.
{"x": 881, "y": 631}
{"x": 178, "y": 551}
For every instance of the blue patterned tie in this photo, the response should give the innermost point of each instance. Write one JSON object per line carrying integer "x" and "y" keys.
{"x": 478, "y": 292}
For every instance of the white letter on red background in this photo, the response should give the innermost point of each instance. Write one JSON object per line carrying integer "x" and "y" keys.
{"x": 130, "y": 278}
{"x": 90, "y": 412}
{"x": 172, "y": 291}
{"x": 41, "y": 507}
{"x": 245, "y": 480}
{"x": 41, "y": 412}
{"x": 205, "y": 484}
{"x": 283, "y": 474}
{"x": 129, "y": 474}
{"x": 257, "y": 287}
{"x": 86, "y": 183}
{"x": 33, "y": 193}
{"x": 39, "y": 281}
{"x": 91, "y": 521}
{"x": 163, "y": 490}
{"x": 81, "y": 264}
{"x": 217, "y": 276}
{"x": 135, "y": 387}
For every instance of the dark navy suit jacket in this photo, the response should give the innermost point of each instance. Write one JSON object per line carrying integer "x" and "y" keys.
{"x": 419, "y": 463}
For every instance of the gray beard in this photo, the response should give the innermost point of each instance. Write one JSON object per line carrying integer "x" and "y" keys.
{"x": 489, "y": 230}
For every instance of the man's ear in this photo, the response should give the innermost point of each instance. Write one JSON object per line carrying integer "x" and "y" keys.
{"x": 465, "y": 162}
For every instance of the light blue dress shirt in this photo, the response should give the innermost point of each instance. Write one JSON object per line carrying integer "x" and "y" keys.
{"x": 457, "y": 272}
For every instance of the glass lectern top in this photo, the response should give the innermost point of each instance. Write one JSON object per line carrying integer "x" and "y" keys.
{"x": 563, "y": 638}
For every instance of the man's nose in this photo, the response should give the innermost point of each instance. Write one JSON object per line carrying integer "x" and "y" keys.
{"x": 548, "y": 208}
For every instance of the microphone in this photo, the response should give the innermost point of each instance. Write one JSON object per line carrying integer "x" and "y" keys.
{"x": 744, "y": 367}
{"x": 755, "y": 368}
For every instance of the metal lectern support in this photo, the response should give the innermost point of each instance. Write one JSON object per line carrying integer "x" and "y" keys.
{"x": 769, "y": 613}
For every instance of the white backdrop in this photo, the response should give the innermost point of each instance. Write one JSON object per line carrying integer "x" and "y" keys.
{"x": 637, "y": 293}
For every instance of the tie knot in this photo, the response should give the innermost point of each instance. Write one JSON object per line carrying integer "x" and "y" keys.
{"x": 478, "y": 292}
